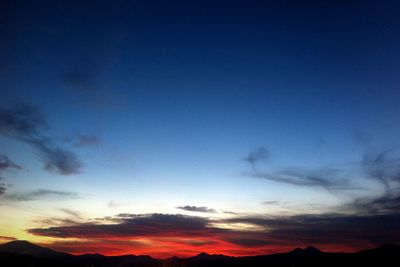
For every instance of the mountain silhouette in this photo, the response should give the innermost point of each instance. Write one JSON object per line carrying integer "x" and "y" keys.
{"x": 209, "y": 257}
{"x": 27, "y": 248}
{"x": 24, "y": 253}
{"x": 309, "y": 251}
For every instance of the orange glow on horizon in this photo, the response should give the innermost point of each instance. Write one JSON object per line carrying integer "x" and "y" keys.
{"x": 163, "y": 249}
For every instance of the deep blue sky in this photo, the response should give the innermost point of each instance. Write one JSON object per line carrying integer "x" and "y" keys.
{"x": 162, "y": 101}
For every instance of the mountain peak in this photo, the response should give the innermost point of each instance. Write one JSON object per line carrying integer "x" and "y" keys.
{"x": 26, "y": 247}
{"x": 312, "y": 249}
{"x": 201, "y": 255}
{"x": 308, "y": 250}
{"x": 205, "y": 256}
{"x": 390, "y": 246}
{"x": 174, "y": 258}
{"x": 20, "y": 244}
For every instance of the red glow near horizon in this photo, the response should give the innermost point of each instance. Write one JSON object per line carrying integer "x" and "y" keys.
{"x": 167, "y": 235}
{"x": 163, "y": 249}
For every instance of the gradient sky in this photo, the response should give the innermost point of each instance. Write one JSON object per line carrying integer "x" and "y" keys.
{"x": 175, "y": 127}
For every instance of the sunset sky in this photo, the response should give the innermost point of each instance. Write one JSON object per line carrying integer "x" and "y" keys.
{"x": 170, "y": 128}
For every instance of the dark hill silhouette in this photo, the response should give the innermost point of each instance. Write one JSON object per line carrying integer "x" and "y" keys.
{"x": 208, "y": 257}
{"x": 309, "y": 251}
{"x": 27, "y": 248}
{"x": 23, "y": 253}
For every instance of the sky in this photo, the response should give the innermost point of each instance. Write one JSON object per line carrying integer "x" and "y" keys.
{"x": 170, "y": 128}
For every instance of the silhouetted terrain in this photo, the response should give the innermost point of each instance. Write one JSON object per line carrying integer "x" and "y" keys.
{"x": 23, "y": 253}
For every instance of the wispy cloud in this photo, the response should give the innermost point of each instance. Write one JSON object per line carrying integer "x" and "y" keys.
{"x": 83, "y": 140}
{"x": 83, "y": 81}
{"x": 56, "y": 159}
{"x": 271, "y": 202}
{"x": 115, "y": 204}
{"x": 197, "y": 209}
{"x": 26, "y": 123}
{"x": 259, "y": 154}
{"x": 3, "y": 186}
{"x": 383, "y": 167}
{"x": 132, "y": 225}
{"x": 385, "y": 204}
{"x": 80, "y": 80}
{"x": 74, "y": 213}
{"x": 42, "y": 194}
{"x": 327, "y": 178}
{"x": 87, "y": 140}
{"x": 5, "y": 165}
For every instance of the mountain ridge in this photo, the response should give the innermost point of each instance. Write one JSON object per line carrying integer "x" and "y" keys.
{"x": 23, "y": 252}
{"x": 28, "y": 248}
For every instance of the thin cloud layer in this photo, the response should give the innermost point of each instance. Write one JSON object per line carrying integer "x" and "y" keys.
{"x": 79, "y": 80}
{"x": 87, "y": 140}
{"x": 56, "y": 159}
{"x": 131, "y": 225}
{"x": 385, "y": 204}
{"x": 271, "y": 202}
{"x": 3, "y": 186}
{"x": 5, "y": 165}
{"x": 27, "y": 124}
{"x": 43, "y": 194}
{"x": 383, "y": 167}
{"x": 74, "y": 213}
{"x": 85, "y": 83}
{"x": 197, "y": 209}
{"x": 83, "y": 140}
{"x": 327, "y": 178}
{"x": 115, "y": 204}
{"x": 22, "y": 121}
{"x": 257, "y": 155}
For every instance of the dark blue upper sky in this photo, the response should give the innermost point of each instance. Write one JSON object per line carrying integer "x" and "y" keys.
{"x": 171, "y": 96}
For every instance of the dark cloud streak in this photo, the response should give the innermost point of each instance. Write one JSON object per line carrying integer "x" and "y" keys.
{"x": 73, "y": 213}
{"x": 257, "y": 155}
{"x": 382, "y": 167}
{"x": 132, "y": 225}
{"x": 6, "y": 164}
{"x": 3, "y": 186}
{"x": 86, "y": 140}
{"x": 56, "y": 159}
{"x": 197, "y": 209}
{"x": 327, "y": 178}
{"x": 26, "y": 123}
{"x": 43, "y": 194}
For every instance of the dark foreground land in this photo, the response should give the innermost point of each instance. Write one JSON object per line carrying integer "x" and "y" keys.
{"x": 23, "y": 253}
